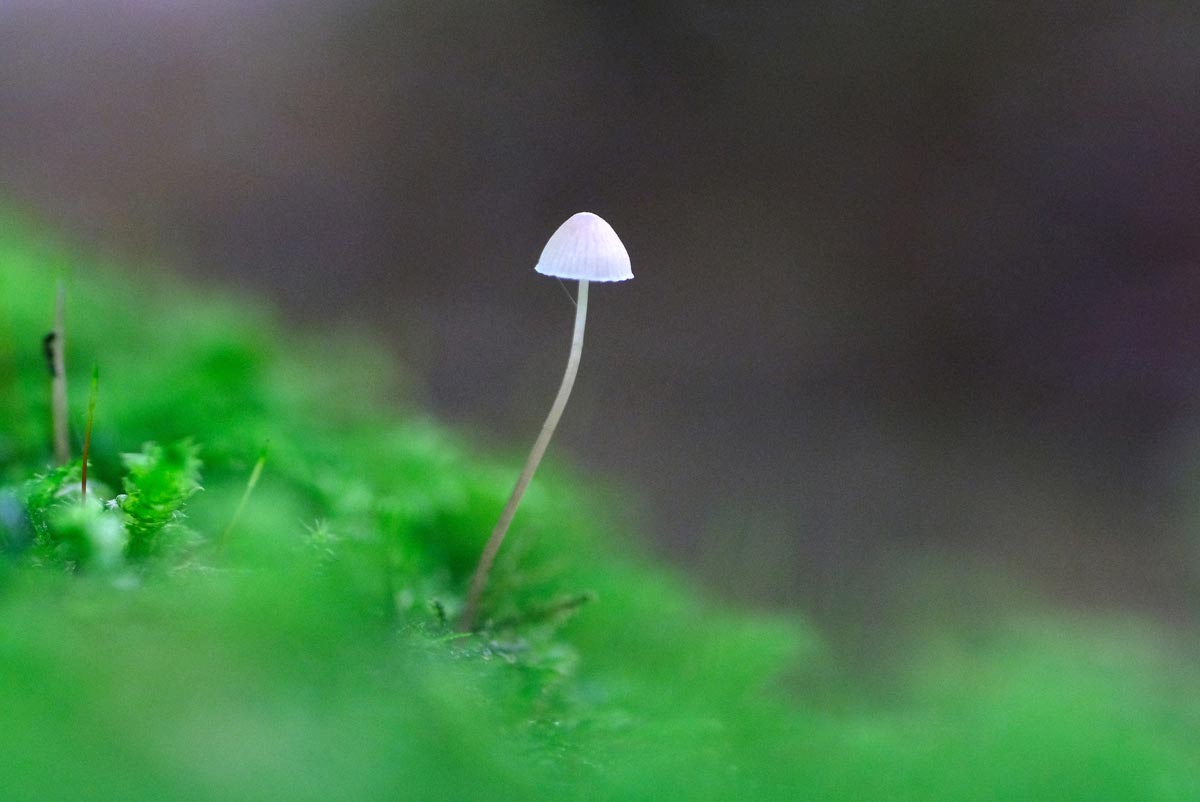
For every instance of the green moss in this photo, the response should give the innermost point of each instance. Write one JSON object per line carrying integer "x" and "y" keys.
{"x": 310, "y": 656}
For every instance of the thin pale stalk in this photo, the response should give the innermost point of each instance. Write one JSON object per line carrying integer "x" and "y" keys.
{"x": 58, "y": 380}
{"x": 87, "y": 437}
{"x": 479, "y": 580}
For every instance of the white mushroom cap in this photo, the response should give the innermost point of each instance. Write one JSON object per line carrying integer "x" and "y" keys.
{"x": 585, "y": 248}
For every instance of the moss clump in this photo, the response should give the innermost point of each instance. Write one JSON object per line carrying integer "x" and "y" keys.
{"x": 311, "y": 656}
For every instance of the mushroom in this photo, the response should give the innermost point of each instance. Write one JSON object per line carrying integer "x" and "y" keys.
{"x": 584, "y": 248}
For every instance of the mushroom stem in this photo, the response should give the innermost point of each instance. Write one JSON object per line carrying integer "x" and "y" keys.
{"x": 479, "y": 580}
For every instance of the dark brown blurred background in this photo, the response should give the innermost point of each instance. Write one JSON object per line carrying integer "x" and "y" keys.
{"x": 918, "y": 283}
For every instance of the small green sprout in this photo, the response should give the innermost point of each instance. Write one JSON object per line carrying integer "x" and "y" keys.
{"x": 251, "y": 483}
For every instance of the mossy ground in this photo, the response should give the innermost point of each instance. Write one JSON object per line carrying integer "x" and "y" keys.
{"x": 150, "y": 652}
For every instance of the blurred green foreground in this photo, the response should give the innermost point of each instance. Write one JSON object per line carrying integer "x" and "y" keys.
{"x": 155, "y": 648}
